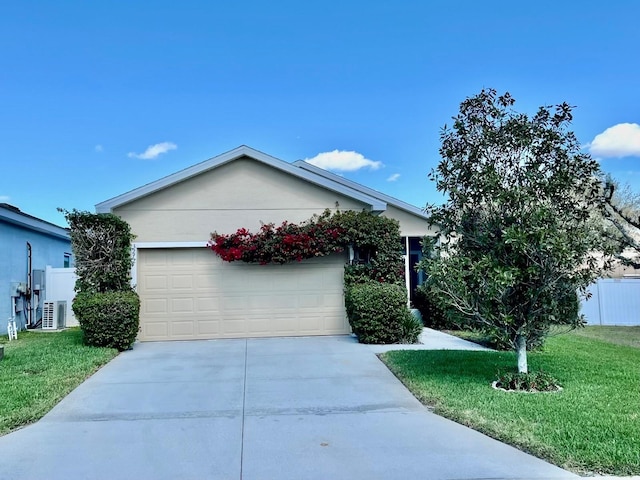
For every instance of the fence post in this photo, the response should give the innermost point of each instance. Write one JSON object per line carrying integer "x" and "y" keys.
{"x": 600, "y": 314}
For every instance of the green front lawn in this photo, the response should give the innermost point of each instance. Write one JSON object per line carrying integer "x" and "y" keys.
{"x": 593, "y": 425}
{"x": 39, "y": 369}
{"x": 629, "y": 336}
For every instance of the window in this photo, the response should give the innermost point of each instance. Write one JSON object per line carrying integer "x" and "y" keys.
{"x": 67, "y": 260}
{"x": 362, "y": 255}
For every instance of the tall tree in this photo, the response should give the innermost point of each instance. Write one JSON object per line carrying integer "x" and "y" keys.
{"x": 518, "y": 234}
{"x": 622, "y": 219}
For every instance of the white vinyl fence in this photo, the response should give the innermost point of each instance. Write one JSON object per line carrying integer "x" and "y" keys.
{"x": 614, "y": 301}
{"x": 59, "y": 284}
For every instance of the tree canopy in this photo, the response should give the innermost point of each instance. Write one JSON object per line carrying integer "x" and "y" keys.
{"x": 518, "y": 240}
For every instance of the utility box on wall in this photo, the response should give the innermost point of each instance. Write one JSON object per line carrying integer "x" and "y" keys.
{"x": 37, "y": 280}
{"x": 18, "y": 288}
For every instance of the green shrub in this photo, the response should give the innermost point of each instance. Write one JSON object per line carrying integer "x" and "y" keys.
{"x": 434, "y": 316}
{"x": 528, "y": 382}
{"x": 377, "y": 312}
{"x": 411, "y": 328}
{"x": 108, "y": 319}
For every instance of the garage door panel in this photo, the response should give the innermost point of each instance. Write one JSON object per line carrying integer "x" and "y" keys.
{"x": 310, "y": 302}
{"x": 333, "y": 324}
{"x": 180, "y": 257}
{"x": 182, "y": 305}
{"x": 190, "y": 293}
{"x": 154, "y": 305}
{"x": 182, "y": 282}
{"x": 184, "y": 328}
{"x": 158, "y": 259}
{"x": 208, "y": 327}
{"x": 259, "y": 326}
{"x": 155, "y": 330}
{"x": 273, "y": 302}
{"x": 234, "y": 326}
{"x": 232, "y": 304}
{"x": 310, "y": 324}
{"x": 155, "y": 282}
{"x": 208, "y": 305}
{"x": 208, "y": 281}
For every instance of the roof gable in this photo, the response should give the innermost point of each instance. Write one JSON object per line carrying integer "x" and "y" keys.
{"x": 376, "y": 201}
{"x": 375, "y": 204}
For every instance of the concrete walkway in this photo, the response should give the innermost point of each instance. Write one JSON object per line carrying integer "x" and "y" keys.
{"x": 256, "y": 409}
{"x": 432, "y": 340}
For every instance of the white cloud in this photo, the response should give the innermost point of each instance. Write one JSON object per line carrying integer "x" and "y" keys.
{"x": 4, "y": 198}
{"x": 342, "y": 160}
{"x": 153, "y": 151}
{"x": 393, "y": 177}
{"x": 98, "y": 148}
{"x": 621, "y": 140}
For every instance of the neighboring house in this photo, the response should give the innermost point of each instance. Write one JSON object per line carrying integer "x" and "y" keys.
{"x": 27, "y": 246}
{"x": 187, "y": 292}
{"x": 615, "y": 299}
{"x": 624, "y": 271}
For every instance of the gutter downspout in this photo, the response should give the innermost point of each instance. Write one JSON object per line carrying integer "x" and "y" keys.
{"x": 29, "y": 284}
{"x": 407, "y": 271}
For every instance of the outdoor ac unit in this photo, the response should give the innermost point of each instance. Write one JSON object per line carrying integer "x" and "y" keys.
{"x": 54, "y": 315}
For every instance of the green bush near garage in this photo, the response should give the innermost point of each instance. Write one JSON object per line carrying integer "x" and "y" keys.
{"x": 105, "y": 305}
{"x": 108, "y": 319}
{"x": 378, "y": 313}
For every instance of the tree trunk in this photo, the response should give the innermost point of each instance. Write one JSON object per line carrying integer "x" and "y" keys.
{"x": 521, "y": 345}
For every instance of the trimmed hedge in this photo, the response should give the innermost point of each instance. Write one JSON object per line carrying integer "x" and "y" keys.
{"x": 378, "y": 313}
{"x": 108, "y": 319}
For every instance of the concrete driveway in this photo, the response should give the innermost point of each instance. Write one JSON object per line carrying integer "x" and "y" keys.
{"x": 257, "y": 409}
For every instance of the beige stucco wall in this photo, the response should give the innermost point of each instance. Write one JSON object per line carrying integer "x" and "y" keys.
{"x": 410, "y": 225}
{"x": 243, "y": 193}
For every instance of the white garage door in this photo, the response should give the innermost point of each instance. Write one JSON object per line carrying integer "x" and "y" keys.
{"x": 189, "y": 293}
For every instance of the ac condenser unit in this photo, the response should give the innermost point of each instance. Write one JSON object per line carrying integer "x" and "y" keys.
{"x": 54, "y": 315}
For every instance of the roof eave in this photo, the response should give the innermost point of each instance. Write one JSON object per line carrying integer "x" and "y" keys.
{"x": 407, "y": 207}
{"x": 34, "y": 224}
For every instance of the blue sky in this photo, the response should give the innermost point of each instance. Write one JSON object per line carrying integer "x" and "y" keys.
{"x": 87, "y": 87}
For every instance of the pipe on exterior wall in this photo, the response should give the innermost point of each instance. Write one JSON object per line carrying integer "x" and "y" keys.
{"x": 29, "y": 285}
{"x": 407, "y": 271}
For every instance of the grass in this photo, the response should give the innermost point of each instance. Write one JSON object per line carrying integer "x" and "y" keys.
{"x": 629, "y": 336}
{"x": 592, "y": 426}
{"x": 39, "y": 369}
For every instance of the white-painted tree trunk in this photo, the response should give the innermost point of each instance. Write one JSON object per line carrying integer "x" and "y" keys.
{"x": 521, "y": 344}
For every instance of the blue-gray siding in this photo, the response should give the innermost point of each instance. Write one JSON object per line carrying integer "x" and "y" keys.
{"x": 46, "y": 250}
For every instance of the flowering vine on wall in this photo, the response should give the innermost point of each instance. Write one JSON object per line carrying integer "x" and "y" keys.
{"x": 283, "y": 244}
{"x": 320, "y": 236}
